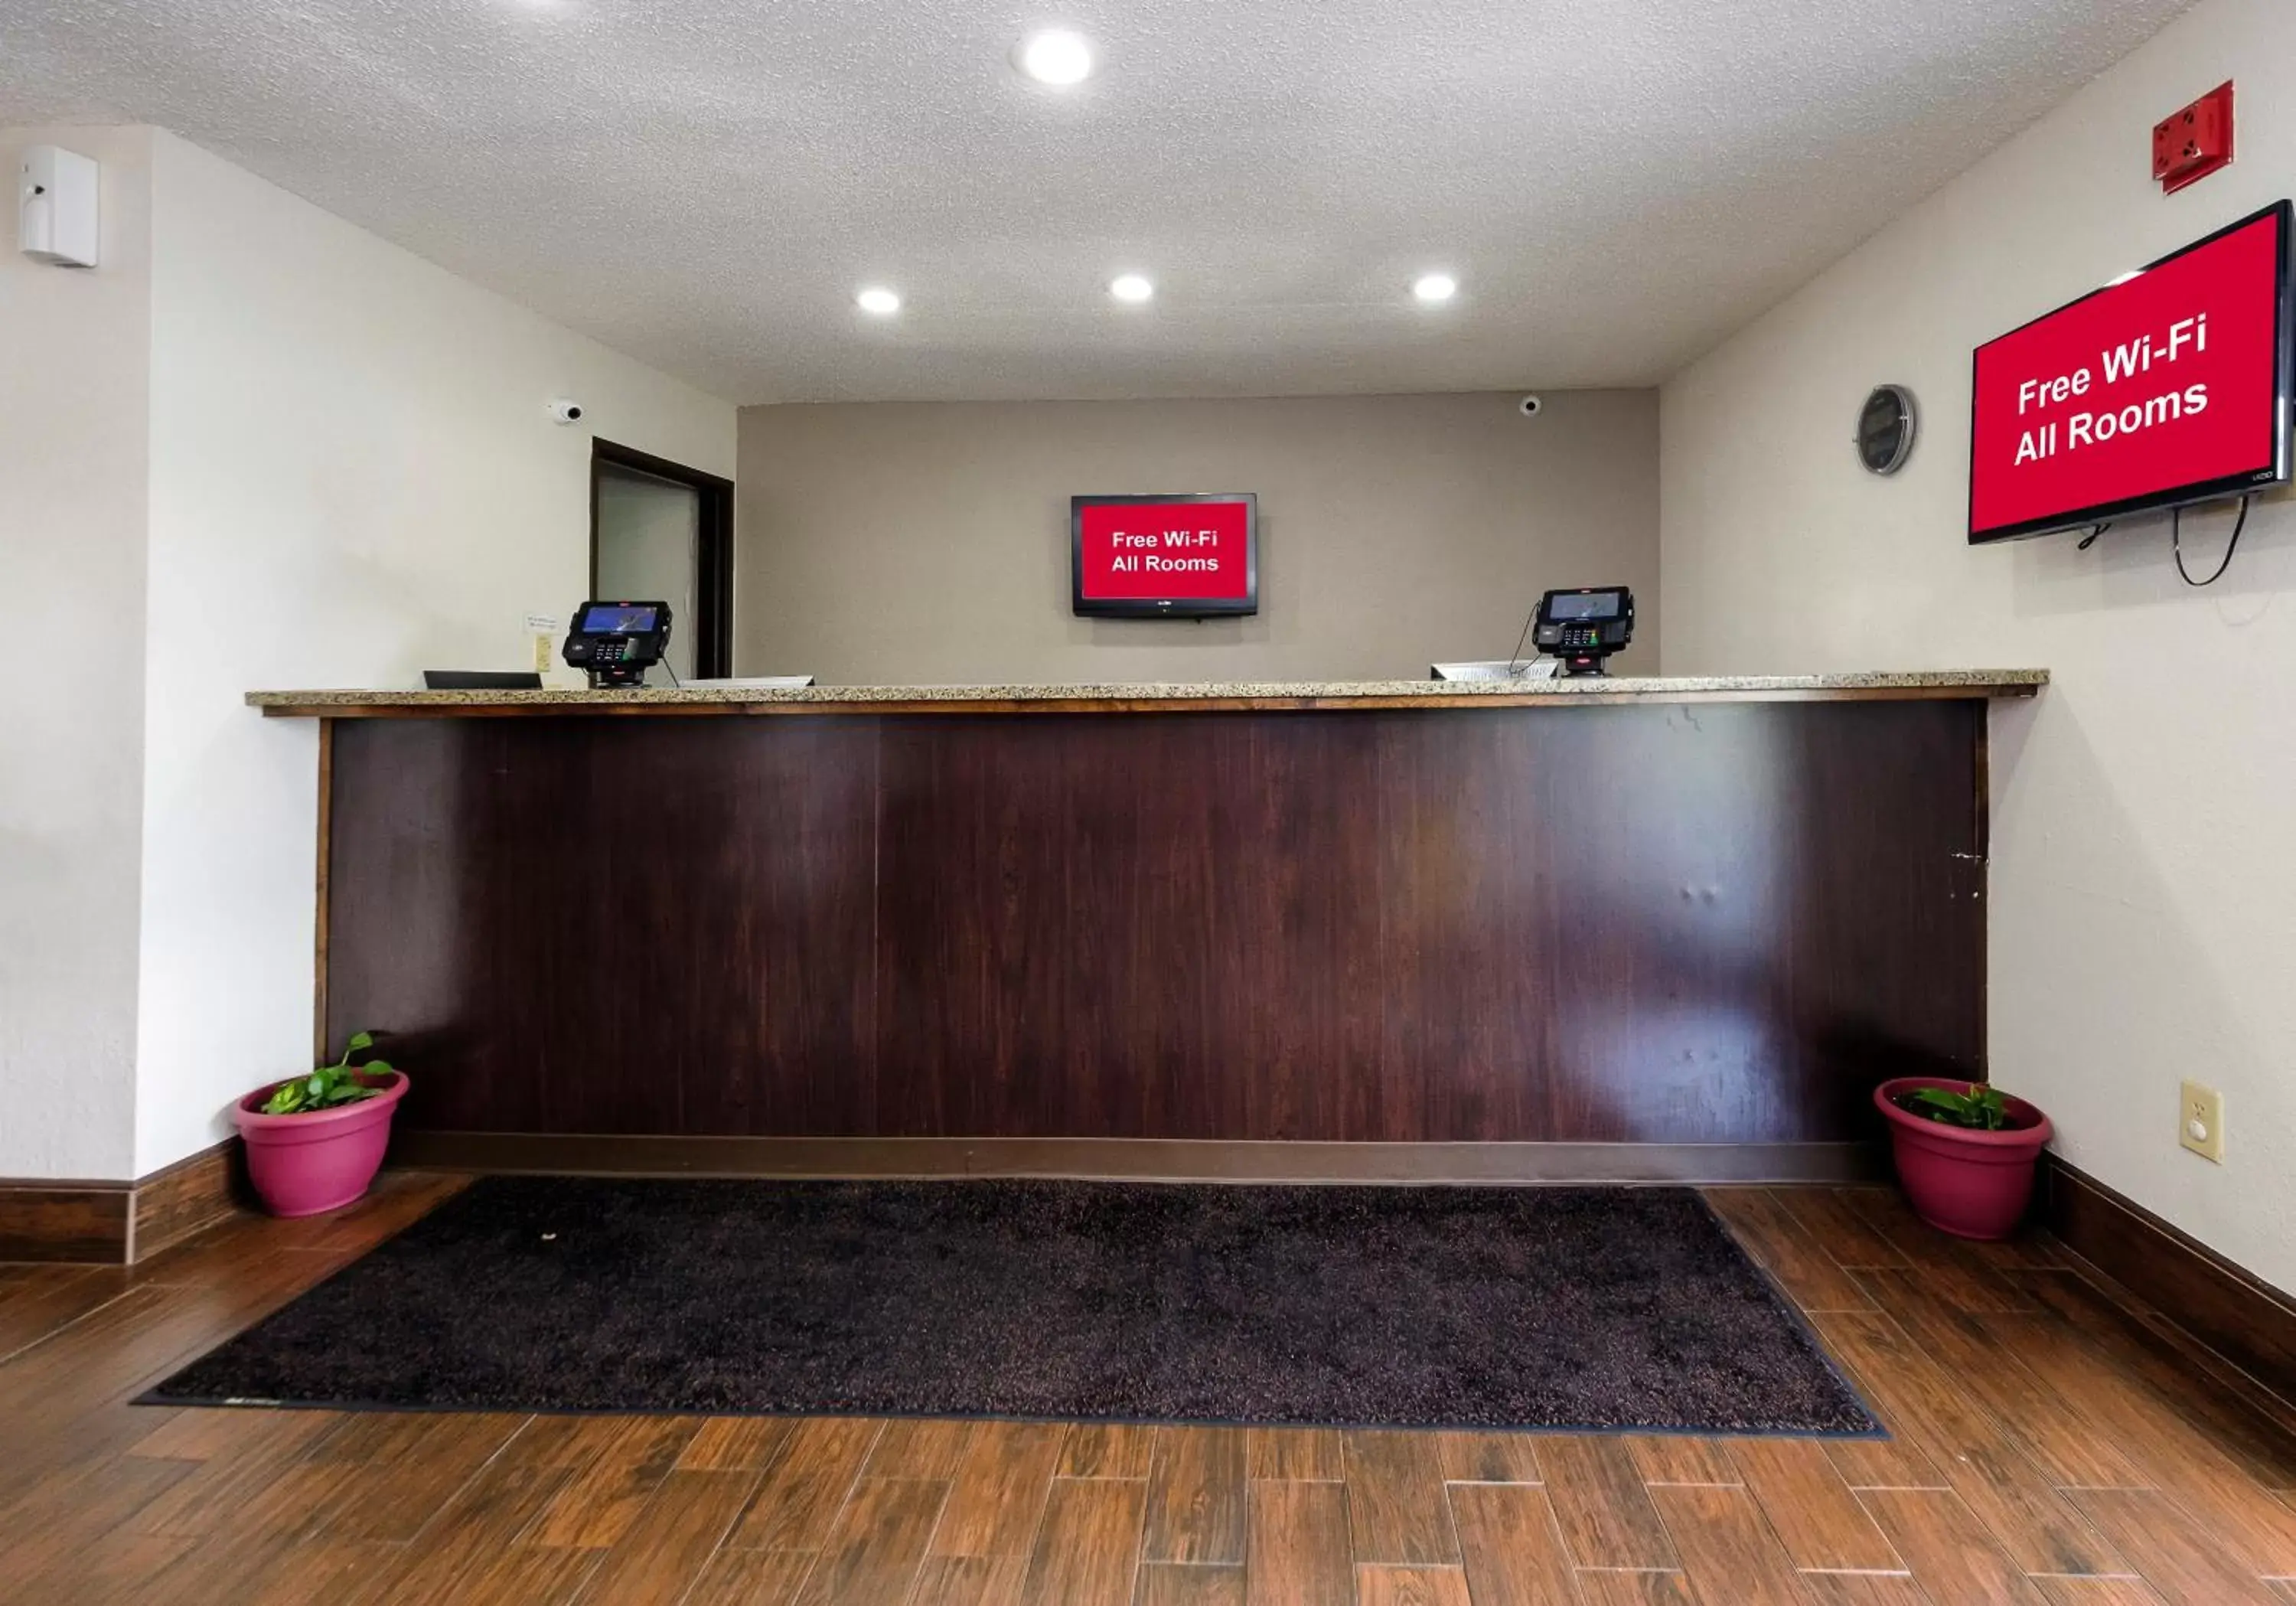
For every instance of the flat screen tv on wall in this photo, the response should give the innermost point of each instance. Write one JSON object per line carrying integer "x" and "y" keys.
{"x": 2167, "y": 387}
{"x": 1195, "y": 557}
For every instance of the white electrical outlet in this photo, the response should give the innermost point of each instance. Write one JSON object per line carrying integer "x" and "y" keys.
{"x": 2200, "y": 1120}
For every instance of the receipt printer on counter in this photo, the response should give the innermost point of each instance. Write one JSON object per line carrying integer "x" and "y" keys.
{"x": 1582, "y": 628}
{"x": 617, "y": 642}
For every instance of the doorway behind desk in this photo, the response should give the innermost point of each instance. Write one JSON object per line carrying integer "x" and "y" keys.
{"x": 661, "y": 530}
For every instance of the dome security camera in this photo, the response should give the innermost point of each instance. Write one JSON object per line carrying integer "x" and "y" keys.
{"x": 1529, "y": 406}
{"x": 566, "y": 412}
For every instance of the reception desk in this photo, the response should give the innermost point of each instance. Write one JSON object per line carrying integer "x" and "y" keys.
{"x": 1620, "y": 929}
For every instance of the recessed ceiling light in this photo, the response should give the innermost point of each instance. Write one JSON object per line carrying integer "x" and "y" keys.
{"x": 1131, "y": 287}
{"x": 879, "y": 301}
{"x": 1055, "y": 56}
{"x": 1435, "y": 288}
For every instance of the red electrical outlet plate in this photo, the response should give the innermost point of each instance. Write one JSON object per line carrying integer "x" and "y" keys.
{"x": 2194, "y": 142}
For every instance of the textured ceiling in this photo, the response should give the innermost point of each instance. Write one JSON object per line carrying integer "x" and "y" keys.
{"x": 702, "y": 184}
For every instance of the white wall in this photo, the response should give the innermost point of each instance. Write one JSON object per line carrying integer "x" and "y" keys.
{"x": 2144, "y": 877}
{"x": 74, "y": 355}
{"x": 352, "y": 477}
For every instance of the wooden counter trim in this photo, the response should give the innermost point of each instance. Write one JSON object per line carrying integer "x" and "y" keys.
{"x": 1972, "y": 692}
{"x": 320, "y": 912}
{"x": 1135, "y": 1159}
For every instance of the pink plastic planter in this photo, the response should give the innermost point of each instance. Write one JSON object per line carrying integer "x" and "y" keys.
{"x": 303, "y": 1165}
{"x": 1971, "y": 1184}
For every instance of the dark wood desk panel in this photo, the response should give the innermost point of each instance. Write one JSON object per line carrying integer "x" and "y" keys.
{"x": 1658, "y": 922}
{"x": 1132, "y": 926}
{"x": 1686, "y": 925}
{"x": 624, "y": 928}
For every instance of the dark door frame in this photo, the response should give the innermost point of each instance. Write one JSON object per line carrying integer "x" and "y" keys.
{"x": 712, "y": 626}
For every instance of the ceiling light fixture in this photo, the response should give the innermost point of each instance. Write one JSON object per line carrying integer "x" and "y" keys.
{"x": 878, "y": 302}
{"x": 1435, "y": 288}
{"x": 1057, "y": 56}
{"x": 1131, "y": 287}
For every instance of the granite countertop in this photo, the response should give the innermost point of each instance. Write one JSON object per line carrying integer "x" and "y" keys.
{"x": 1119, "y": 696}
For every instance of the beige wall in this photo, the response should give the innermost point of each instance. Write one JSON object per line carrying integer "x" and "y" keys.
{"x": 927, "y": 543}
{"x": 2143, "y": 876}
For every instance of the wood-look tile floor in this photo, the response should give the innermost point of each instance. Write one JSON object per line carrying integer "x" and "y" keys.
{"x": 2052, "y": 1446}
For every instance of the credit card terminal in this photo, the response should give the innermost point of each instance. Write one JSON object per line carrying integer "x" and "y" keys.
{"x": 1582, "y": 628}
{"x": 617, "y": 642}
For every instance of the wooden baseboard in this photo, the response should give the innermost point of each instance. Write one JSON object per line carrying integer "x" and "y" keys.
{"x": 119, "y": 1224}
{"x": 1137, "y": 1159}
{"x": 78, "y": 1222}
{"x": 2235, "y": 1313}
{"x": 188, "y": 1196}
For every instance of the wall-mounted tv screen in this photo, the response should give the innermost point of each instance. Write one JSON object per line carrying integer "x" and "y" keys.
{"x": 1165, "y": 556}
{"x": 2167, "y": 387}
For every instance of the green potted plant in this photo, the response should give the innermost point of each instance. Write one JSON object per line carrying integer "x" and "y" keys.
{"x": 315, "y": 1140}
{"x": 1965, "y": 1152}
